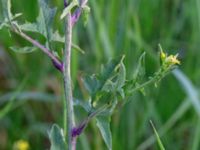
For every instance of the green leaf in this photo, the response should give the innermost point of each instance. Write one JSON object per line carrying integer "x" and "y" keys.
{"x": 109, "y": 86}
{"x": 91, "y": 84}
{"x": 23, "y": 50}
{"x": 7, "y": 15}
{"x": 84, "y": 104}
{"x": 45, "y": 20}
{"x": 31, "y": 27}
{"x": 107, "y": 71}
{"x": 16, "y": 15}
{"x": 157, "y": 137}
{"x": 6, "y": 6}
{"x": 109, "y": 111}
{"x": 118, "y": 82}
{"x": 6, "y": 21}
{"x": 103, "y": 84}
{"x": 55, "y": 36}
{"x": 76, "y": 47}
{"x": 86, "y": 12}
{"x": 140, "y": 69}
{"x": 57, "y": 138}
{"x": 73, "y": 4}
{"x": 103, "y": 123}
{"x": 59, "y": 38}
{"x": 43, "y": 23}
{"x": 121, "y": 77}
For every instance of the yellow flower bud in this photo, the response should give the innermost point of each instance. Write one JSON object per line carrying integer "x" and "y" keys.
{"x": 162, "y": 55}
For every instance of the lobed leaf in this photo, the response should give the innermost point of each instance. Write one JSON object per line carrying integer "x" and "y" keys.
{"x": 43, "y": 23}
{"x": 31, "y": 27}
{"x": 76, "y": 47}
{"x": 108, "y": 70}
{"x": 73, "y": 4}
{"x": 112, "y": 105}
{"x": 121, "y": 78}
{"x": 84, "y": 104}
{"x": 7, "y": 14}
{"x": 55, "y": 36}
{"x": 6, "y": 6}
{"x": 59, "y": 38}
{"x": 116, "y": 85}
{"x": 140, "y": 69}
{"x": 57, "y": 138}
{"x": 92, "y": 84}
{"x": 86, "y": 12}
{"x": 24, "y": 49}
{"x": 103, "y": 123}
{"x": 103, "y": 87}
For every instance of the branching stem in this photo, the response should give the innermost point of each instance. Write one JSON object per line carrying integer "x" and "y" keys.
{"x": 55, "y": 60}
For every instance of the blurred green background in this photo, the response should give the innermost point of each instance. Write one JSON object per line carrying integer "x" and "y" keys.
{"x": 115, "y": 27}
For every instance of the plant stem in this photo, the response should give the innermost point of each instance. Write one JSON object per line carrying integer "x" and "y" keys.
{"x": 160, "y": 74}
{"x": 81, "y": 127}
{"x": 143, "y": 85}
{"x": 37, "y": 44}
{"x": 67, "y": 84}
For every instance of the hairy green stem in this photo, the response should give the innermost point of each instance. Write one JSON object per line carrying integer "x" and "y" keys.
{"x": 67, "y": 84}
{"x": 143, "y": 85}
{"x": 160, "y": 74}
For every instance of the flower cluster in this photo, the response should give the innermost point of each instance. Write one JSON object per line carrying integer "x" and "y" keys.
{"x": 168, "y": 60}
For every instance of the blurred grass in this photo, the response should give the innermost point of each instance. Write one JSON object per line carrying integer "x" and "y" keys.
{"x": 127, "y": 27}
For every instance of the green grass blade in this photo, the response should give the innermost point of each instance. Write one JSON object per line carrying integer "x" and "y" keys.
{"x": 180, "y": 111}
{"x": 189, "y": 89}
{"x": 196, "y": 141}
{"x": 10, "y": 104}
{"x": 157, "y": 137}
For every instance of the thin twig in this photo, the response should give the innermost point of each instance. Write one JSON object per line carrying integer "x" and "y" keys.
{"x": 81, "y": 127}
{"x": 55, "y": 60}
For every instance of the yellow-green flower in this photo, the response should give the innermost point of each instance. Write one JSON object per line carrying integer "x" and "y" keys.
{"x": 172, "y": 59}
{"x": 21, "y": 145}
{"x": 168, "y": 60}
